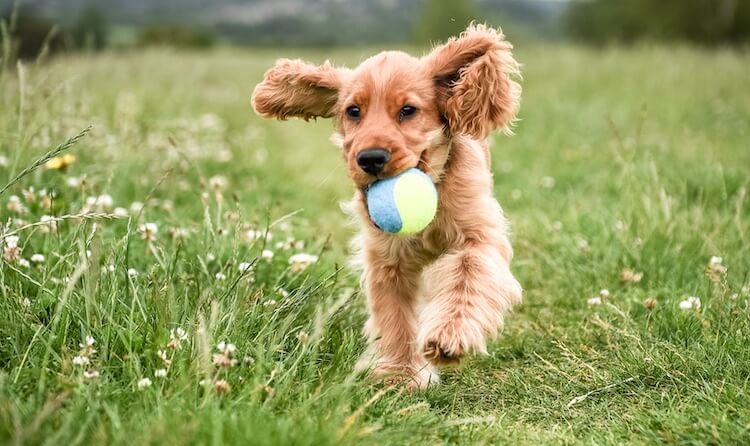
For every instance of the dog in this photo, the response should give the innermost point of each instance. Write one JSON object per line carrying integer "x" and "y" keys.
{"x": 441, "y": 294}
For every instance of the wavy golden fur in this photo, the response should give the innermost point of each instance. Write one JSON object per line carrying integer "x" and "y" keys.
{"x": 441, "y": 294}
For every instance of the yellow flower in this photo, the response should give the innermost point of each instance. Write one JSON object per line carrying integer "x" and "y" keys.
{"x": 60, "y": 162}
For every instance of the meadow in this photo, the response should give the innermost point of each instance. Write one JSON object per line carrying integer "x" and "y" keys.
{"x": 178, "y": 275}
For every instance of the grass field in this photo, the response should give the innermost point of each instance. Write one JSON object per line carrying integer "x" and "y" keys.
{"x": 628, "y": 172}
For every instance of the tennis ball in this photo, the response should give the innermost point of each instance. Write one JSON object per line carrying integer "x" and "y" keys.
{"x": 404, "y": 204}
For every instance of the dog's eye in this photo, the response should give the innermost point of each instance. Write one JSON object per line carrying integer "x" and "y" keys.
{"x": 406, "y": 111}
{"x": 352, "y": 111}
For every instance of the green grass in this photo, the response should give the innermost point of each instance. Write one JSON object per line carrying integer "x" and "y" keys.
{"x": 647, "y": 153}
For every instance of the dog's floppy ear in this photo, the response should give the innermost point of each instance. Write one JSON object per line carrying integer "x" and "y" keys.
{"x": 298, "y": 89}
{"x": 475, "y": 78}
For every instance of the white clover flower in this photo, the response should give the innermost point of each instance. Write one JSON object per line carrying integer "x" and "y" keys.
{"x": 179, "y": 334}
{"x": 226, "y": 347}
{"x": 548, "y": 182}
{"x": 245, "y": 267}
{"x": 132, "y": 272}
{"x": 224, "y": 156}
{"x": 89, "y": 341}
{"x": 283, "y": 293}
{"x": 37, "y": 258}
{"x": 211, "y": 121}
{"x": 225, "y": 357}
{"x": 167, "y": 205}
{"x": 90, "y": 374}
{"x": 160, "y": 373}
{"x": 715, "y": 269}
{"x": 267, "y": 255}
{"x": 46, "y": 201}
{"x": 148, "y": 231}
{"x": 29, "y": 195}
{"x": 24, "y": 263}
{"x": 582, "y": 244}
{"x": 210, "y": 257}
{"x": 221, "y": 276}
{"x": 15, "y": 205}
{"x": 81, "y": 360}
{"x": 628, "y": 275}
{"x": 176, "y": 337}
{"x": 120, "y": 212}
{"x": 252, "y": 235}
{"x": 285, "y": 226}
{"x": 289, "y": 243}
{"x": 49, "y": 224}
{"x": 26, "y": 302}
{"x": 691, "y": 303}
{"x": 11, "y": 250}
{"x": 604, "y": 293}
{"x": 218, "y": 182}
{"x": 222, "y": 387}
{"x": 73, "y": 182}
{"x": 104, "y": 202}
{"x": 4, "y": 161}
{"x": 136, "y": 207}
{"x": 11, "y": 241}
{"x": 302, "y": 336}
{"x": 179, "y": 233}
{"x": 143, "y": 383}
{"x": 301, "y": 261}
{"x": 596, "y": 300}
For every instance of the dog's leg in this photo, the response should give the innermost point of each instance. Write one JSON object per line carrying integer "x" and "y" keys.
{"x": 470, "y": 289}
{"x": 391, "y": 329}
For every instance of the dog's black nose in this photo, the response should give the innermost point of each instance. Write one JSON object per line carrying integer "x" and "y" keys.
{"x": 373, "y": 160}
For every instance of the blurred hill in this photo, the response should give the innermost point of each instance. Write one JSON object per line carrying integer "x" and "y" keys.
{"x": 306, "y": 22}
{"x": 190, "y": 23}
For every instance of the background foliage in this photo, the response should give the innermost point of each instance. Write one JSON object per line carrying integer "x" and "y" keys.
{"x": 710, "y": 22}
{"x": 302, "y": 23}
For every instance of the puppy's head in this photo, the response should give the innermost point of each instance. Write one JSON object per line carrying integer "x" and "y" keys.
{"x": 394, "y": 111}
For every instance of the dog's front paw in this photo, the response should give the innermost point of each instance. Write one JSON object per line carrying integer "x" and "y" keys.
{"x": 414, "y": 377}
{"x": 448, "y": 341}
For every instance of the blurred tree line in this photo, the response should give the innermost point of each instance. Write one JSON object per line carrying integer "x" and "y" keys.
{"x": 25, "y": 34}
{"x": 441, "y": 19}
{"x": 28, "y": 32}
{"x": 626, "y": 21}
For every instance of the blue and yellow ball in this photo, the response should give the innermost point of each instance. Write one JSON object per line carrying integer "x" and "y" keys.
{"x": 404, "y": 204}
